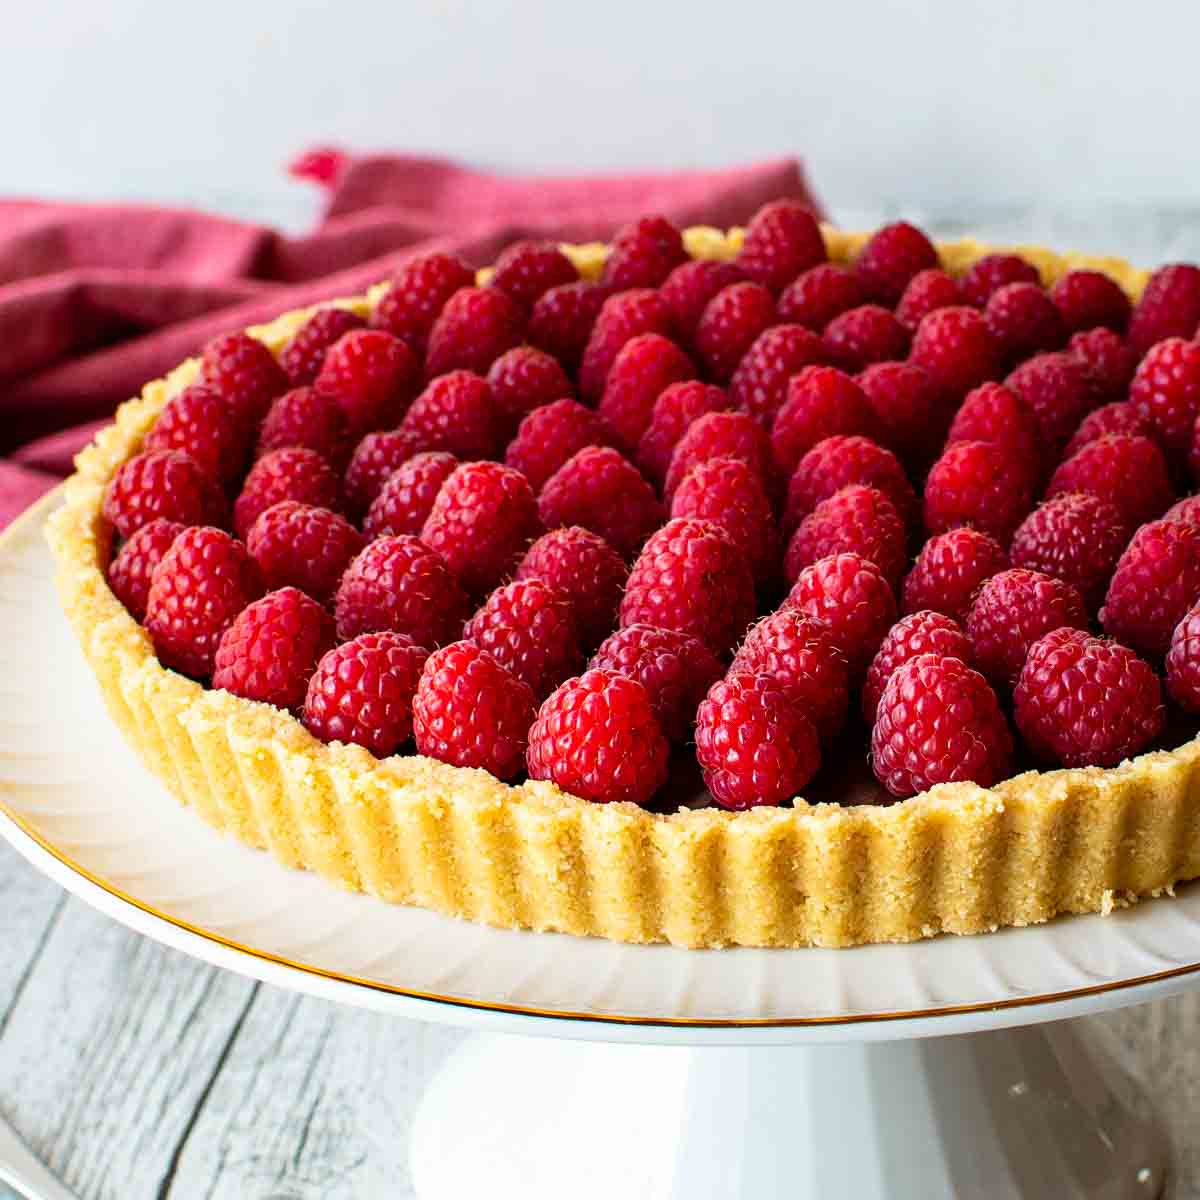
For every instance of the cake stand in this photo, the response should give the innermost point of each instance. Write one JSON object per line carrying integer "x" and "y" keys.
{"x": 948, "y": 1068}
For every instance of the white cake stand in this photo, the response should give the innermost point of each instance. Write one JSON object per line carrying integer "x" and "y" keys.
{"x": 942, "y": 1069}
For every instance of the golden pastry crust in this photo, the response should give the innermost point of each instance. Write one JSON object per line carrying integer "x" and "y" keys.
{"x": 957, "y": 859}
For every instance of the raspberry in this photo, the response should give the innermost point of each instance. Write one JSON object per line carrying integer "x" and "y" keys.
{"x": 926, "y": 292}
{"x": 469, "y": 711}
{"x": 993, "y": 413}
{"x": 162, "y": 483}
{"x": 242, "y": 370}
{"x": 200, "y": 584}
{"x": 836, "y": 462}
{"x": 782, "y": 240}
{"x": 585, "y": 569}
{"x": 821, "y": 402}
{"x": 820, "y": 294}
{"x": 644, "y": 367}
{"x": 908, "y": 410}
{"x": 527, "y": 270}
{"x": 304, "y": 353}
{"x": 562, "y": 319}
{"x": 300, "y": 545}
{"x": 622, "y": 317}
{"x": 889, "y": 260}
{"x": 858, "y": 518}
{"x": 374, "y": 459}
{"x": 597, "y": 737}
{"x": 1109, "y": 361}
{"x": 418, "y": 292}
{"x": 290, "y": 474}
{"x": 691, "y": 286}
{"x": 642, "y": 254}
{"x": 924, "y": 632}
{"x": 398, "y": 583}
{"x": 852, "y": 599}
{"x": 1024, "y": 321}
{"x": 1012, "y": 610}
{"x": 1086, "y": 702}
{"x": 720, "y": 435}
{"x": 1183, "y": 662}
{"x": 1060, "y": 392}
{"x": 407, "y": 496}
{"x": 981, "y": 484}
{"x": 1156, "y": 581}
{"x": 1089, "y": 300}
{"x": 729, "y": 325}
{"x": 957, "y": 348}
{"x": 550, "y": 435}
{"x": 362, "y": 692}
{"x": 455, "y": 413}
{"x": 760, "y": 383}
{"x": 1118, "y": 417}
{"x": 1186, "y": 511}
{"x": 938, "y": 722}
{"x": 690, "y": 577}
{"x": 272, "y": 647}
{"x": 1169, "y": 307}
{"x": 603, "y": 492}
{"x": 481, "y": 522}
{"x": 1166, "y": 392}
{"x": 753, "y": 744}
{"x": 796, "y": 651}
{"x": 205, "y": 427}
{"x": 372, "y": 376}
{"x": 674, "y": 411}
{"x": 304, "y": 417}
{"x": 992, "y": 272}
{"x": 528, "y": 628}
{"x": 523, "y": 379}
{"x": 130, "y": 571}
{"x": 1127, "y": 471}
{"x": 476, "y": 326}
{"x": 949, "y": 570}
{"x": 864, "y": 335}
{"x": 675, "y": 669}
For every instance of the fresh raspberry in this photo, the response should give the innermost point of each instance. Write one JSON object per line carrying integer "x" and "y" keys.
{"x": 1109, "y": 361}
{"x": 753, "y": 744}
{"x": 923, "y": 632}
{"x": 993, "y": 413}
{"x": 622, "y": 317}
{"x": 1183, "y": 662}
{"x": 821, "y": 402}
{"x": 604, "y": 492}
{"x": 836, "y": 462}
{"x": 759, "y": 385}
{"x": 1060, "y": 391}
{"x": 205, "y": 427}
{"x": 290, "y": 474}
{"x": 864, "y": 335}
{"x": 675, "y": 669}
{"x": 372, "y": 376}
{"x": 362, "y": 692}
{"x": 418, "y": 293}
{"x": 674, "y": 411}
{"x": 820, "y": 294}
{"x": 1085, "y": 702}
{"x": 858, "y": 518}
{"x": 242, "y": 370}
{"x": 690, "y": 577}
{"x": 375, "y": 457}
{"x": 981, "y": 484}
{"x": 721, "y": 435}
{"x": 691, "y": 286}
{"x": 957, "y": 348}
{"x": 1126, "y": 470}
{"x": 1186, "y": 510}
{"x": 399, "y": 583}
{"x": 782, "y": 240}
{"x": 527, "y": 626}
{"x": 949, "y": 570}
{"x": 1119, "y": 417}
{"x": 729, "y": 325}
{"x": 597, "y": 737}
{"x": 938, "y": 722}
{"x": 1024, "y": 321}
{"x": 908, "y": 408}
{"x": 469, "y": 711}
{"x": 406, "y": 498}
{"x": 300, "y": 545}
{"x": 304, "y": 353}
{"x": 992, "y": 272}
{"x": 1156, "y": 581}
{"x": 527, "y": 270}
{"x": 1011, "y": 611}
{"x": 162, "y": 483}
{"x": 584, "y": 568}
{"x": 201, "y": 583}
{"x": 926, "y": 292}
{"x": 1169, "y": 307}
{"x": 1089, "y": 300}
{"x": 552, "y": 434}
{"x": 455, "y": 413}
{"x": 476, "y": 326}
{"x": 523, "y": 379}
{"x": 305, "y": 417}
{"x": 889, "y": 260}
{"x": 562, "y": 319}
{"x": 642, "y": 254}
{"x": 644, "y": 367}
{"x": 482, "y": 521}
{"x": 852, "y": 599}
{"x": 130, "y": 571}
{"x": 272, "y": 647}
{"x": 1166, "y": 392}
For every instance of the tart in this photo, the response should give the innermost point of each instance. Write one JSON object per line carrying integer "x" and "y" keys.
{"x": 1020, "y": 841}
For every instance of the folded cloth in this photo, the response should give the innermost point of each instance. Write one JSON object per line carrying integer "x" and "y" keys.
{"x": 96, "y": 299}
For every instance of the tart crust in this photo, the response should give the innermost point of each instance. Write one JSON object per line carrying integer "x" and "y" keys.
{"x": 409, "y": 830}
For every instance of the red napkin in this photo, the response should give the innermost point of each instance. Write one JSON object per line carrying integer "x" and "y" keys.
{"x": 97, "y": 299}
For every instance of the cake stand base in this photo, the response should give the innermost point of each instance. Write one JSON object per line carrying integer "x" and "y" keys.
{"x": 1044, "y": 1111}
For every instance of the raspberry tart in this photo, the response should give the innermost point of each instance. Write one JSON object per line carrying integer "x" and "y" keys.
{"x": 770, "y": 587}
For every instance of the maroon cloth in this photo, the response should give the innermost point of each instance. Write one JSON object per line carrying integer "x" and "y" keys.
{"x": 96, "y": 299}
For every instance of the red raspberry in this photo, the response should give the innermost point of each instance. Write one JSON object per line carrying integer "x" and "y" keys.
{"x": 527, "y": 270}
{"x": 272, "y": 647}
{"x": 753, "y": 744}
{"x": 399, "y": 583}
{"x": 455, "y": 413}
{"x": 552, "y": 434}
{"x": 469, "y": 711}
{"x": 797, "y": 652}
{"x": 621, "y": 319}
{"x": 908, "y": 410}
{"x": 1085, "y": 702}
{"x": 418, "y": 292}
{"x": 980, "y": 484}
{"x": 1186, "y": 510}
{"x": 729, "y": 325}
{"x": 993, "y": 413}
{"x": 1183, "y": 662}
{"x": 1166, "y": 392}
{"x": 562, "y": 319}
{"x": 721, "y": 435}
{"x": 302, "y": 546}
{"x": 1011, "y": 611}
{"x": 375, "y": 457}
{"x": 889, "y": 260}
{"x": 690, "y": 577}
{"x": 836, "y": 462}
{"x": 242, "y": 370}
{"x": 523, "y": 379}
{"x": 782, "y": 240}
{"x": 597, "y": 737}
{"x": 858, "y": 518}
{"x": 362, "y": 692}
{"x": 482, "y": 521}
{"x": 527, "y": 626}
{"x": 162, "y": 483}
{"x": 406, "y": 498}
{"x": 924, "y": 632}
{"x": 305, "y": 417}
{"x": 1109, "y": 361}
{"x": 820, "y": 294}
{"x": 760, "y": 383}
{"x": 1156, "y": 581}
{"x": 691, "y": 286}
{"x": 205, "y": 427}
{"x": 1169, "y": 307}
{"x": 851, "y": 597}
{"x": 1090, "y": 299}
{"x": 372, "y": 376}
{"x": 200, "y": 584}
{"x": 130, "y": 571}
{"x": 949, "y": 570}
{"x": 1024, "y": 321}
{"x": 957, "y": 348}
{"x": 864, "y": 335}
{"x": 643, "y": 254}
{"x": 674, "y": 411}
{"x": 1127, "y": 471}
{"x": 938, "y": 722}
{"x": 821, "y": 402}
{"x": 290, "y": 474}
{"x": 992, "y": 272}
{"x": 1060, "y": 391}
{"x": 926, "y": 292}
{"x": 675, "y": 669}
{"x": 1118, "y": 417}
{"x": 304, "y": 353}
{"x": 644, "y": 367}
{"x": 476, "y": 326}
